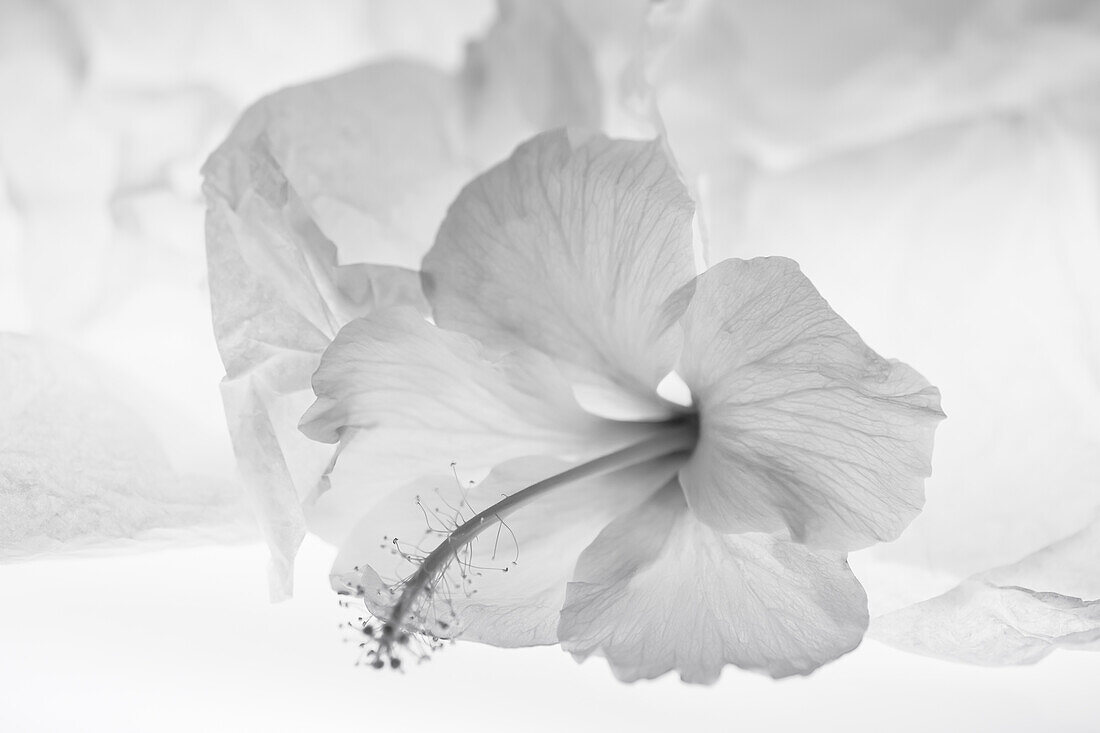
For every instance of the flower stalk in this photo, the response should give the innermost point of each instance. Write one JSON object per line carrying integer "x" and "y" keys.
{"x": 680, "y": 437}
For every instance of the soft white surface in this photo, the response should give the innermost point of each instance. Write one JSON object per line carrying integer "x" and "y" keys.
{"x": 186, "y": 641}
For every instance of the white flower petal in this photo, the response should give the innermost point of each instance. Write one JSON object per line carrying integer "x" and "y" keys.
{"x": 803, "y": 427}
{"x": 660, "y": 591}
{"x": 575, "y": 246}
{"x": 1016, "y": 614}
{"x": 406, "y": 399}
{"x": 81, "y": 470}
{"x": 508, "y": 590}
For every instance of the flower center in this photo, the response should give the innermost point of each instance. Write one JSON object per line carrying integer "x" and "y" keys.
{"x": 679, "y": 437}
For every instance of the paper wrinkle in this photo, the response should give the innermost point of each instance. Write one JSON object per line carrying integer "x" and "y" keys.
{"x": 101, "y": 256}
{"x": 788, "y": 84}
{"x": 81, "y": 470}
{"x": 1016, "y": 614}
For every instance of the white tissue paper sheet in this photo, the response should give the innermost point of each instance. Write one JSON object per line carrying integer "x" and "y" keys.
{"x": 112, "y": 433}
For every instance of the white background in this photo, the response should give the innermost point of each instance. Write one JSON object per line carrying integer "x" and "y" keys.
{"x": 185, "y": 640}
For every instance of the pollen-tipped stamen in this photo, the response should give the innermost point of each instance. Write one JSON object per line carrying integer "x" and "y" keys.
{"x": 679, "y": 438}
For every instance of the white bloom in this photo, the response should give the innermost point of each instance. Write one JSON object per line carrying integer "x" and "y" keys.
{"x": 695, "y": 538}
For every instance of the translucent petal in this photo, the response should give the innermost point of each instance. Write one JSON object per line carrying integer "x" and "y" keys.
{"x": 406, "y": 399}
{"x": 803, "y": 427}
{"x": 659, "y": 591}
{"x": 576, "y": 245}
{"x": 508, "y": 587}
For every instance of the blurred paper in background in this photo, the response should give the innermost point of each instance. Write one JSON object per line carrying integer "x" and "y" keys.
{"x": 935, "y": 169}
{"x": 932, "y": 166}
{"x": 111, "y": 107}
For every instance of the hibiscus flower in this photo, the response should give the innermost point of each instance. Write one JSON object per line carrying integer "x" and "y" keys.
{"x": 661, "y": 528}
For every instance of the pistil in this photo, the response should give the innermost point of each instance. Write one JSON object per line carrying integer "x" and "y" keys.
{"x": 679, "y": 437}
